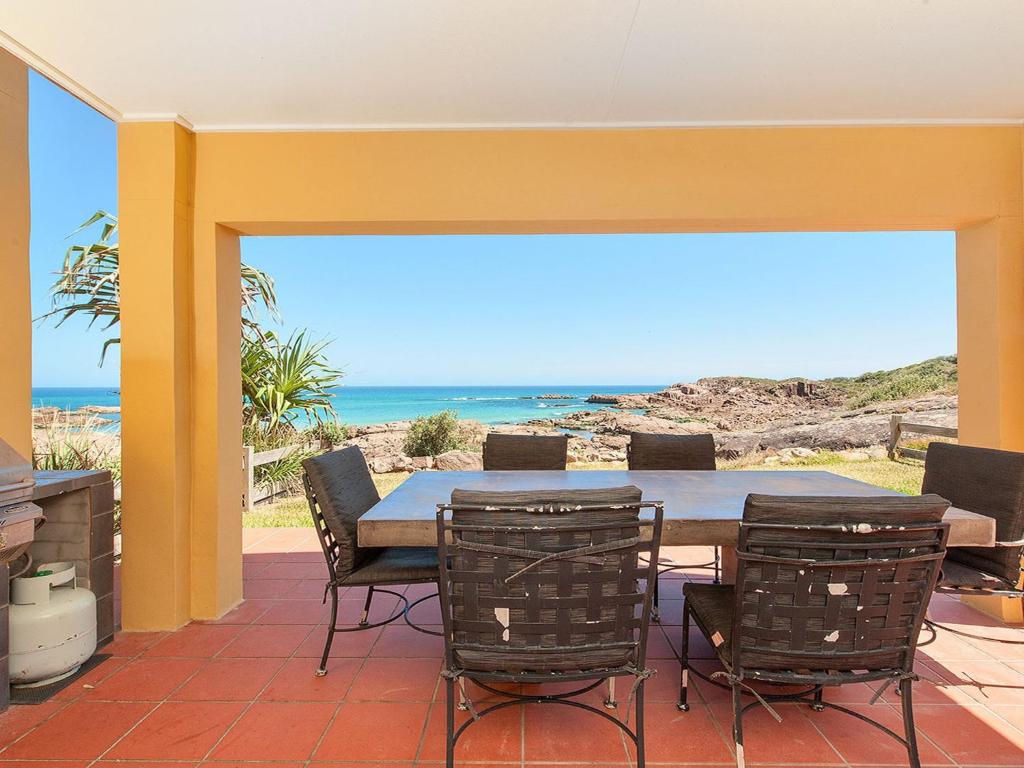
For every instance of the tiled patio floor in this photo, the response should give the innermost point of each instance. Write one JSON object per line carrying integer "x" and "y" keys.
{"x": 242, "y": 690}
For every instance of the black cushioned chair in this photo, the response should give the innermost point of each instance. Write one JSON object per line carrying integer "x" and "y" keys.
{"x": 988, "y": 482}
{"x": 340, "y": 490}
{"x": 829, "y": 591}
{"x": 525, "y": 452}
{"x": 647, "y": 451}
{"x": 545, "y": 586}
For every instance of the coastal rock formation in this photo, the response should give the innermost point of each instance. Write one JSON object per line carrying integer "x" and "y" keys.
{"x": 459, "y": 461}
{"x": 753, "y": 420}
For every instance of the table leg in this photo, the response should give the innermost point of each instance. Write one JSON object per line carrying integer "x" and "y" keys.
{"x": 728, "y": 565}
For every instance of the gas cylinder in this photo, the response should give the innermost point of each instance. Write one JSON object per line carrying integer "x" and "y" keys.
{"x": 52, "y": 625}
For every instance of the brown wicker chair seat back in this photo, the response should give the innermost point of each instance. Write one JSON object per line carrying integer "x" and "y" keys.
{"x": 988, "y": 482}
{"x": 647, "y": 451}
{"x": 839, "y": 583}
{"x": 670, "y": 452}
{"x": 544, "y": 586}
{"x": 829, "y": 590}
{"x": 525, "y": 452}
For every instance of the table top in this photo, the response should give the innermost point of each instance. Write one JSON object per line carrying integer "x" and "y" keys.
{"x": 700, "y": 507}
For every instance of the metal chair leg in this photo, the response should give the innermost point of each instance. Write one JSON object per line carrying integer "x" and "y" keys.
{"x": 718, "y": 565}
{"x": 910, "y": 732}
{"x": 449, "y": 751}
{"x": 322, "y": 669}
{"x": 737, "y": 725}
{"x": 655, "y": 613}
{"x": 640, "y": 755}
{"x": 817, "y": 704}
{"x": 365, "y": 618}
{"x": 609, "y": 702}
{"x": 684, "y": 661}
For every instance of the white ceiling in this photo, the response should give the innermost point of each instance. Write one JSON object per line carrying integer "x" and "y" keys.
{"x": 364, "y": 64}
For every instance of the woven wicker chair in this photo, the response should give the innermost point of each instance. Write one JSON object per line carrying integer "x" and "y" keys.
{"x": 542, "y": 587}
{"x": 674, "y": 452}
{"x": 988, "y": 482}
{"x": 340, "y": 490}
{"x": 829, "y": 591}
{"x": 525, "y": 452}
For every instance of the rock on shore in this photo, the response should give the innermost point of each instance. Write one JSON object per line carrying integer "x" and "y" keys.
{"x": 752, "y": 420}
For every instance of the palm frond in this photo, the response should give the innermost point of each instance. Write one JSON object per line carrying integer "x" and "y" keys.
{"x": 89, "y": 284}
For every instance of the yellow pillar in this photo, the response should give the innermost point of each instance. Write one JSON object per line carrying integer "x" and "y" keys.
{"x": 156, "y": 180}
{"x": 217, "y": 398}
{"x": 990, "y": 329}
{"x": 15, "y": 296}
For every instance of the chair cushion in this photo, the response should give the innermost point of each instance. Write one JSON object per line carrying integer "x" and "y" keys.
{"x": 395, "y": 565}
{"x": 988, "y": 482}
{"x": 956, "y": 576}
{"x": 713, "y": 607}
{"x": 344, "y": 492}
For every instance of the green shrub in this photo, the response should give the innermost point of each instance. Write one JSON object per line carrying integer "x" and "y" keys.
{"x": 64, "y": 445}
{"x": 938, "y": 375}
{"x": 433, "y": 435}
{"x": 284, "y": 474}
{"x": 332, "y": 432}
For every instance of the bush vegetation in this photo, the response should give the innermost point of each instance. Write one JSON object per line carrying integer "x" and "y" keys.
{"x": 938, "y": 375}
{"x": 65, "y": 447}
{"x": 330, "y": 431}
{"x": 433, "y": 435}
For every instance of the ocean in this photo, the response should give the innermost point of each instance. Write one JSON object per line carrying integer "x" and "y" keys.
{"x": 374, "y": 405}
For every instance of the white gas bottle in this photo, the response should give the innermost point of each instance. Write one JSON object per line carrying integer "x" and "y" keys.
{"x": 52, "y": 625}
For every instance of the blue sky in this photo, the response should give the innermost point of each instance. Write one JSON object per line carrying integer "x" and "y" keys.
{"x": 568, "y": 309}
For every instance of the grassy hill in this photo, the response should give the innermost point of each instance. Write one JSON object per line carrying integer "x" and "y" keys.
{"x": 938, "y": 375}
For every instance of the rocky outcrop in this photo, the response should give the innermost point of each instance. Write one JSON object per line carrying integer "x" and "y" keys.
{"x": 459, "y": 461}
{"x": 601, "y": 435}
{"x": 729, "y": 402}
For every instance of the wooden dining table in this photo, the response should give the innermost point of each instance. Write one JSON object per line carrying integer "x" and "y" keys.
{"x": 700, "y": 507}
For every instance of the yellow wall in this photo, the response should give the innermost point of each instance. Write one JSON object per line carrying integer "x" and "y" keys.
{"x": 15, "y": 297}
{"x": 969, "y": 179}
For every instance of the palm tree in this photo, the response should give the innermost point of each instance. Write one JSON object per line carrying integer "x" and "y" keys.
{"x": 281, "y": 379}
{"x": 89, "y": 284}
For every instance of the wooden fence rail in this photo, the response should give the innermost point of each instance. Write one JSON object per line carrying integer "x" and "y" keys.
{"x": 252, "y": 459}
{"x": 898, "y": 427}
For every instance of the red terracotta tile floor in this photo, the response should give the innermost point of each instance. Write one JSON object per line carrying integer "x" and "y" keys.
{"x": 240, "y": 691}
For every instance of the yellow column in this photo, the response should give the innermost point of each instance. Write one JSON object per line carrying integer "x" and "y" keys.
{"x": 156, "y": 180}
{"x": 217, "y": 414}
{"x": 15, "y": 297}
{"x": 990, "y": 329}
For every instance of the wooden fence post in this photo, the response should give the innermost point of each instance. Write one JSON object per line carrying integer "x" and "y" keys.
{"x": 249, "y": 469}
{"x": 894, "y": 434}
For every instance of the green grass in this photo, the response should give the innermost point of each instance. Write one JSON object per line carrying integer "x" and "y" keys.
{"x": 904, "y": 475}
{"x": 293, "y": 511}
{"x": 936, "y": 375}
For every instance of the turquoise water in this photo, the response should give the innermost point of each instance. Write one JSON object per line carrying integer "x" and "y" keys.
{"x": 373, "y": 405}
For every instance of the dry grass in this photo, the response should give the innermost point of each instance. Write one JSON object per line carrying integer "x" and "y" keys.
{"x": 904, "y": 476}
